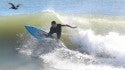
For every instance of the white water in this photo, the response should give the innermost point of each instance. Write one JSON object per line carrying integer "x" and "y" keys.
{"x": 103, "y": 52}
{"x": 93, "y": 52}
{"x": 62, "y": 58}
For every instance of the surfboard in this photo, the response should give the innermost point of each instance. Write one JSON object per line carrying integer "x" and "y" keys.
{"x": 36, "y": 32}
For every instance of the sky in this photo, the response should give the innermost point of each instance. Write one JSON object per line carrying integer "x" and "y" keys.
{"x": 99, "y": 7}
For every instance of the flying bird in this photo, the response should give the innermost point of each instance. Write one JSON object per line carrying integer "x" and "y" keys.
{"x": 13, "y": 6}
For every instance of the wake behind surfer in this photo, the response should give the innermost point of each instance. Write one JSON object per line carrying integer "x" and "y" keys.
{"x": 57, "y": 28}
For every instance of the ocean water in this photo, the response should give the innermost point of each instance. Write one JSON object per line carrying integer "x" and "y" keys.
{"x": 96, "y": 44}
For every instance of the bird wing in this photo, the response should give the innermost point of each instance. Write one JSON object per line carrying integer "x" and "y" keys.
{"x": 18, "y": 5}
{"x": 11, "y": 4}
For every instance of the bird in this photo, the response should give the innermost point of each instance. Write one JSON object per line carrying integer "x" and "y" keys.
{"x": 13, "y": 6}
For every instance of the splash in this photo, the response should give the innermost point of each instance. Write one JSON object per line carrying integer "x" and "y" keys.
{"x": 110, "y": 47}
{"x": 30, "y": 46}
{"x": 65, "y": 59}
{"x": 93, "y": 51}
{"x": 57, "y": 56}
{"x": 112, "y": 43}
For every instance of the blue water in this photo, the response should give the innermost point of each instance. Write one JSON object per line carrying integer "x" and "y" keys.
{"x": 93, "y": 7}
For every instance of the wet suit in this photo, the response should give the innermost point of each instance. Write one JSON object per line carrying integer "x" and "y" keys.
{"x": 57, "y": 30}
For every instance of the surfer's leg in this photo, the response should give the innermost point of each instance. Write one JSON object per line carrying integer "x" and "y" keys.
{"x": 49, "y": 35}
{"x": 58, "y": 35}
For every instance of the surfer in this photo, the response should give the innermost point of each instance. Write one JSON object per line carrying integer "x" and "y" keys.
{"x": 57, "y": 28}
{"x": 13, "y": 6}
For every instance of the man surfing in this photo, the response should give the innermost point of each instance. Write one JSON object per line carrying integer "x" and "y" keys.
{"x": 57, "y": 28}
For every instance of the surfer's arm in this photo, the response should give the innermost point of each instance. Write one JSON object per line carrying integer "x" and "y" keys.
{"x": 50, "y": 33}
{"x": 68, "y": 26}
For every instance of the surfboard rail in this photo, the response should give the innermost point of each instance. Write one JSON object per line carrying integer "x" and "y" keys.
{"x": 36, "y": 32}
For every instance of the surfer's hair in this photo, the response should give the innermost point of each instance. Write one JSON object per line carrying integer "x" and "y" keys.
{"x": 53, "y": 22}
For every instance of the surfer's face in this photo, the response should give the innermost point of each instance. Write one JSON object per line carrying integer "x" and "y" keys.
{"x": 54, "y": 25}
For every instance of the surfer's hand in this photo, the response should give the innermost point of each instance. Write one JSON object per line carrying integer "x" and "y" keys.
{"x": 70, "y": 26}
{"x": 46, "y": 35}
{"x": 73, "y": 27}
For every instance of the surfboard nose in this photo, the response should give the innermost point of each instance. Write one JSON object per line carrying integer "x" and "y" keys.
{"x": 36, "y": 32}
{"x": 28, "y": 27}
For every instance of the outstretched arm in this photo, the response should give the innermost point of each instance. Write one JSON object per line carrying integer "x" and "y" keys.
{"x": 69, "y": 26}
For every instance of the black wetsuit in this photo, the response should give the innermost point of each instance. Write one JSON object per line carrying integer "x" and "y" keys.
{"x": 57, "y": 30}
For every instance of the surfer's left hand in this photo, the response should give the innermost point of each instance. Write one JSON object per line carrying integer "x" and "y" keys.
{"x": 73, "y": 27}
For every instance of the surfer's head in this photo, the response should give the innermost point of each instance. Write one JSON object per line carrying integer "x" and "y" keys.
{"x": 53, "y": 23}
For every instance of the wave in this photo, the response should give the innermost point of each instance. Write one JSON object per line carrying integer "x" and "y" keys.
{"x": 59, "y": 57}
{"x": 97, "y": 43}
{"x": 14, "y": 24}
{"x": 11, "y": 25}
